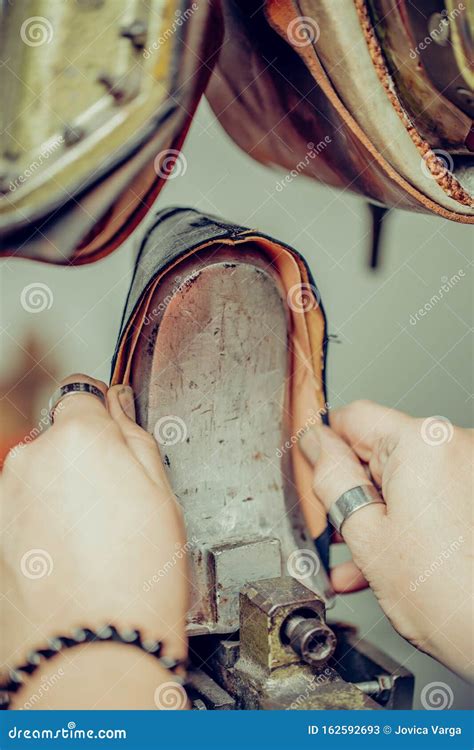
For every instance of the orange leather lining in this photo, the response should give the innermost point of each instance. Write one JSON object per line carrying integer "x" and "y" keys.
{"x": 306, "y": 394}
{"x": 280, "y": 13}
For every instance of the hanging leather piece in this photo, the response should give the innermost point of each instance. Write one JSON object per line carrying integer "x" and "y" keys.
{"x": 377, "y": 215}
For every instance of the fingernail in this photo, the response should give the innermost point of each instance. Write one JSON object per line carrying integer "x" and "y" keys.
{"x": 127, "y": 401}
{"x": 310, "y": 444}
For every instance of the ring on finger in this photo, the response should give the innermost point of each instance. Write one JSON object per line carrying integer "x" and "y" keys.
{"x": 72, "y": 389}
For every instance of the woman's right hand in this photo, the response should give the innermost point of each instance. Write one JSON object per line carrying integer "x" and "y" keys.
{"x": 415, "y": 551}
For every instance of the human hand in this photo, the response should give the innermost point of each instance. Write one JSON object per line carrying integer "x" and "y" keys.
{"x": 415, "y": 552}
{"x": 93, "y": 535}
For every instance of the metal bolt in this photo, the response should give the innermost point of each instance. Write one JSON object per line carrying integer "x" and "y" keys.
{"x": 110, "y": 82}
{"x": 228, "y": 653}
{"x": 122, "y": 88}
{"x": 6, "y": 181}
{"x": 310, "y": 638}
{"x": 136, "y": 32}
{"x": 378, "y": 685}
{"x": 72, "y": 134}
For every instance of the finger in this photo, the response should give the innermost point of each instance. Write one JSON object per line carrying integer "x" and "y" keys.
{"x": 338, "y": 470}
{"x": 80, "y": 404}
{"x": 120, "y": 400}
{"x": 312, "y": 445}
{"x": 364, "y": 424}
{"x": 347, "y": 578}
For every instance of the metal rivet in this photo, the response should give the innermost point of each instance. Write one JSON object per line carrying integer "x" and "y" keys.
{"x": 136, "y": 32}
{"x": 73, "y": 134}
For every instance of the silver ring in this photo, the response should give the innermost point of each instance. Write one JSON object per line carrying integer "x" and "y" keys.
{"x": 350, "y": 501}
{"x": 69, "y": 390}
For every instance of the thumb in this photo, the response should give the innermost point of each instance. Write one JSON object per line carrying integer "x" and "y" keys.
{"x": 121, "y": 405}
{"x": 372, "y": 431}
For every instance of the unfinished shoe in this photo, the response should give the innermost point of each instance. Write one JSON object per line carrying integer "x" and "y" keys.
{"x": 354, "y": 97}
{"x": 223, "y": 340}
{"x": 93, "y": 123}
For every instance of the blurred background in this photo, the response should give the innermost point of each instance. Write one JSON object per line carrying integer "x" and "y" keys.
{"x": 384, "y": 350}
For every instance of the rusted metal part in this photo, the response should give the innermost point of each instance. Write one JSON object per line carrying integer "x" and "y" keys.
{"x": 270, "y": 611}
{"x": 262, "y": 671}
{"x": 205, "y": 693}
{"x": 379, "y": 685}
{"x": 296, "y": 687}
{"x": 234, "y": 562}
{"x": 311, "y": 638}
{"x": 360, "y": 661}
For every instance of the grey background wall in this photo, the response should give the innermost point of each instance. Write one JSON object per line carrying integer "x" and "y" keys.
{"x": 423, "y": 368}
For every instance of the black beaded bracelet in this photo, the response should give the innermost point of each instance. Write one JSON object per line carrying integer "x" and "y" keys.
{"x": 17, "y": 677}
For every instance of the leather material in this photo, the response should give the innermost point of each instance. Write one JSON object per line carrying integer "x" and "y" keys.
{"x": 179, "y": 233}
{"x": 420, "y": 41}
{"x": 276, "y": 100}
{"x": 284, "y": 102}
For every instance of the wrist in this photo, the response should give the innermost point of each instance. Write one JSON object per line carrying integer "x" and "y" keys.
{"x": 100, "y": 676}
